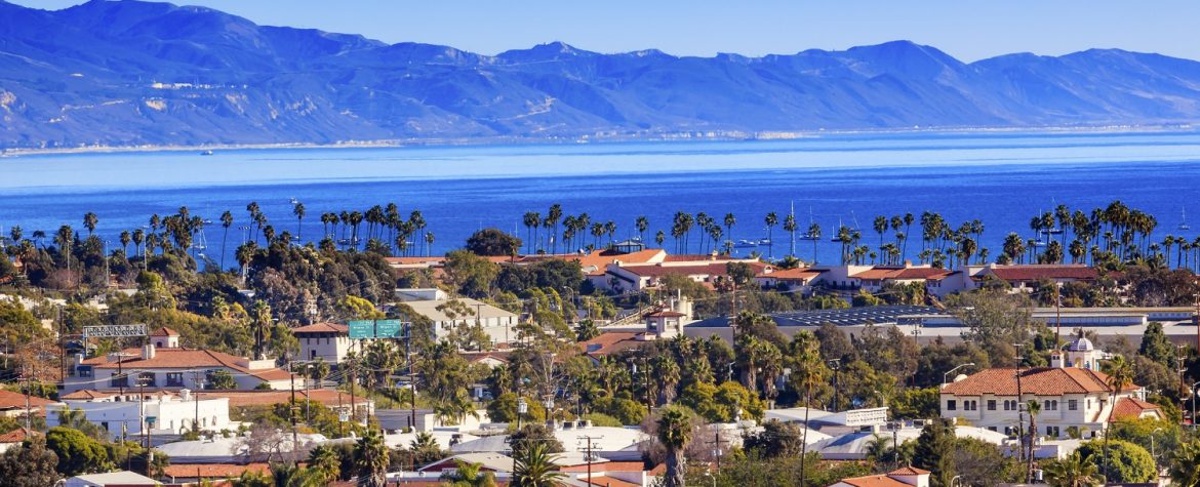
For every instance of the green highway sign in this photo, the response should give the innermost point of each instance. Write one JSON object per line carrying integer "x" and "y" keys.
{"x": 388, "y": 329}
{"x": 360, "y": 329}
{"x": 368, "y": 329}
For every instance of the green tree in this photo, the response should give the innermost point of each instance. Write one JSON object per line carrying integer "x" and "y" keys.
{"x": 371, "y": 459}
{"x": 1184, "y": 468}
{"x": 325, "y": 460}
{"x": 1156, "y": 346}
{"x": 469, "y": 474}
{"x": 1073, "y": 471}
{"x": 77, "y": 453}
{"x": 675, "y": 431}
{"x": 221, "y": 380}
{"x": 492, "y": 242}
{"x": 1126, "y": 462}
{"x": 776, "y": 439}
{"x": 935, "y": 452}
{"x": 30, "y": 464}
{"x": 981, "y": 463}
{"x": 535, "y": 467}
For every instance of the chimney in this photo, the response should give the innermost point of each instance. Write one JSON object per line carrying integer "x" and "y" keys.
{"x": 148, "y": 352}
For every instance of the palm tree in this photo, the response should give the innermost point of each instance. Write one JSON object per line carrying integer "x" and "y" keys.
{"x": 299, "y": 211}
{"x": 371, "y": 459}
{"x": 1076, "y": 471}
{"x": 535, "y": 467}
{"x": 806, "y": 374}
{"x": 642, "y": 223}
{"x": 771, "y": 220}
{"x": 89, "y": 222}
{"x": 730, "y": 221}
{"x": 469, "y": 475}
{"x": 789, "y": 225}
{"x": 325, "y": 460}
{"x": 532, "y": 220}
{"x": 1120, "y": 375}
{"x": 675, "y": 432}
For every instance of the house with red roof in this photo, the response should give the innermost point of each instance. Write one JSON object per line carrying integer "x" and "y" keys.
{"x": 1072, "y": 392}
{"x": 620, "y": 277}
{"x": 15, "y": 404}
{"x": 901, "y": 477}
{"x": 164, "y": 364}
{"x": 329, "y": 342}
{"x": 796, "y": 279}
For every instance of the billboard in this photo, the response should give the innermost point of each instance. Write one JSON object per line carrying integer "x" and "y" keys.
{"x": 115, "y": 331}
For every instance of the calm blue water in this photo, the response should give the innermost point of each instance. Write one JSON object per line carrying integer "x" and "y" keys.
{"x": 1002, "y": 179}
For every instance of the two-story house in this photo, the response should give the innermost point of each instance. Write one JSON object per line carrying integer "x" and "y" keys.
{"x": 1072, "y": 393}
{"x": 164, "y": 364}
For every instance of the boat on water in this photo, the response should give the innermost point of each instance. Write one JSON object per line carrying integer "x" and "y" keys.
{"x": 746, "y": 244}
{"x": 1183, "y": 220}
{"x": 206, "y": 153}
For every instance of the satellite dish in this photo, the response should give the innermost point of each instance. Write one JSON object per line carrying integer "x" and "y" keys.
{"x": 960, "y": 377}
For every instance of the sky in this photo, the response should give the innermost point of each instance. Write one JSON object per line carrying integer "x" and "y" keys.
{"x": 966, "y": 29}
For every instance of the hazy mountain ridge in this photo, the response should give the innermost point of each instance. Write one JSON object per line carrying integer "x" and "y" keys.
{"x": 135, "y": 73}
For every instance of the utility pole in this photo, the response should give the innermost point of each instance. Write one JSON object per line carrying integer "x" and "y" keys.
{"x": 197, "y": 385}
{"x": 1020, "y": 405}
{"x": 292, "y": 410}
{"x": 590, "y": 439}
{"x": 412, "y": 379}
{"x": 716, "y": 443}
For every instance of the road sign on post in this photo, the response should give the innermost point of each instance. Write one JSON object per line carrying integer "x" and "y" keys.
{"x": 360, "y": 329}
{"x": 115, "y": 331}
{"x": 369, "y": 329}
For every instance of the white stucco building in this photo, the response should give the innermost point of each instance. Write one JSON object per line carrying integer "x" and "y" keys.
{"x": 329, "y": 342}
{"x": 161, "y": 412}
{"x": 1071, "y": 393}
{"x": 163, "y": 363}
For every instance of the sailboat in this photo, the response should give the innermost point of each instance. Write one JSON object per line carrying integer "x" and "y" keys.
{"x": 808, "y": 235}
{"x": 1183, "y": 219}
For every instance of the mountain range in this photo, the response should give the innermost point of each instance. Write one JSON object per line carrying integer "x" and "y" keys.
{"x": 132, "y": 73}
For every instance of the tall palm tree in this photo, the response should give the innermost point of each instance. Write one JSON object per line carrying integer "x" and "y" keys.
{"x": 535, "y": 467}
{"x": 771, "y": 220}
{"x": 1033, "y": 408}
{"x": 814, "y": 233}
{"x": 89, "y": 222}
{"x": 226, "y": 222}
{"x": 325, "y": 460}
{"x": 729, "y": 221}
{"x": 469, "y": 474}
{"x": 807, "y": 373}
{"x": 299, "y": 211}
{"x": 642, "y": 223}
{"x": 1120, "y": 375}
{"x": 1076, "y": 471}
{"x": 371, "y": 459}
{"x": 675, "y": 432}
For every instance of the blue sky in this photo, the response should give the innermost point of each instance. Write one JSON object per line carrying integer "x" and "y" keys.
{"x": 967, "y": 29}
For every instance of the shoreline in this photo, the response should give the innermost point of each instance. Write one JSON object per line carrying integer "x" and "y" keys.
{"x": 680, "y": 137}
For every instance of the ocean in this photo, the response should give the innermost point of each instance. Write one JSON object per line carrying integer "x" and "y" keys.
{"x": 1000, "y": 178}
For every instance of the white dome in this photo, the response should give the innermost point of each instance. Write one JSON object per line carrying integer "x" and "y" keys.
{"x": 1081, "y": 344}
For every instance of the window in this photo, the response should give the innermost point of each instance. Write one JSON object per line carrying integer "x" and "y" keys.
{"x": 991, "y": 405}
{"x": 174, "y": 379}
{"x": 84, "y": 370}
{"x": 1054, "y": 405}
{"x": 1052, "y": 431}
{"x": 951, "y": 405}
{"x": 147, "y": 379}
{"x": 119, "y": 380}
{"x": 1073, "y": 404}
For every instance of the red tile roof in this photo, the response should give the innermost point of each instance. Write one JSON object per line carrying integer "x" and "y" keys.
{"x": 875, "y": 481}
{"x": 704, "y": 269}
{"x": 665, "y": 314}
{"x": 1133, "y": 408}
{"x": 611, "y": 342}
{"x": 86, "y": 395}
{"x": 16, "y": 400}
{"x": 793, "y": 274}
{"x": 214, "y": 470}
{"x": 604, "y": 481}
{"x": 322, "y": 328}
{"x": 184, "y": 358}
{"x": 328, "y": 397}
{"x": 909, "y": 471}
{"x": 16, "y": 436}
{"x": 1038, "y": 272}
{"x": 1041, "y": 381}
{"x": 164, "y": 332}
{"x": 902, "y": 273}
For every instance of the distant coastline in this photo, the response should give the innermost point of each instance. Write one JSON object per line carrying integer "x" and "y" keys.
{"x": 715, "y": 136}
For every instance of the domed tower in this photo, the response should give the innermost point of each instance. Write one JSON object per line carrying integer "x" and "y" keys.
{"x": 1081, "y": 353}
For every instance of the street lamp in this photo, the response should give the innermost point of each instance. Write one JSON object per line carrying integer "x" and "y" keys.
{"x": 946, "y": 374}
